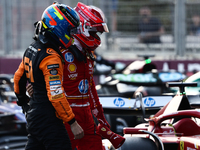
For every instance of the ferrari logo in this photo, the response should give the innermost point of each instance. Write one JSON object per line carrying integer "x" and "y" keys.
{"x": 181, "y": 145}
{"x": 103, "y": 129}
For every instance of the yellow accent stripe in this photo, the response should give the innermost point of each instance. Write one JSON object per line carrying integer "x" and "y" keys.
{"x": 173, "y": 128}
{"x": 44, "y": 25}
{"x": 58, "y": 14}
{"x": 67, "y": 36}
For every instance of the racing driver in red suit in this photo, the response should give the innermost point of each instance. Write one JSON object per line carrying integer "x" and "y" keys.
{"x": 78, "y": 79}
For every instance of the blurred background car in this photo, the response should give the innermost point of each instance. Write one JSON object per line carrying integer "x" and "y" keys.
{"x": 8, "y": 105}
{"x": 13, "y": 134}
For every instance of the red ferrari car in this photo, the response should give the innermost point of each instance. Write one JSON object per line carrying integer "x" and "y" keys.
{"x": 174, "y": 127}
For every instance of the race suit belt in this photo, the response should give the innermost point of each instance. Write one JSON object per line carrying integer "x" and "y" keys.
{"x": 77, "y": 97}
{"x": 77, "y": 102}
{"x": 79, "y": 105}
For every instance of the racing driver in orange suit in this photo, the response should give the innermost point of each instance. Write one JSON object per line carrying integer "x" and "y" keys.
{"x": 42, "y": 66}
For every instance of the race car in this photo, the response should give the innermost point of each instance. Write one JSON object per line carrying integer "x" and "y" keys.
{"x": 174, "y": 127}
{"x": 117, "y": 92}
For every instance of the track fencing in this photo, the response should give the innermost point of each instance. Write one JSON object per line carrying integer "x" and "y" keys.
{"x": 122, "y": 16}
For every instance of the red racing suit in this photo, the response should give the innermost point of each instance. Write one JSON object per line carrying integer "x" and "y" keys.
{"x": 80, "y": 91}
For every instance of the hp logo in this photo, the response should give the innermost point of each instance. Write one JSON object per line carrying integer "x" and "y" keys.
{"x": 149, "y": 101}
{"x": 119, "y": 102}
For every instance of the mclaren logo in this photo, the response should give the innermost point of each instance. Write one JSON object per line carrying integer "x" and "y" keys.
{"x": 50, "y": 51}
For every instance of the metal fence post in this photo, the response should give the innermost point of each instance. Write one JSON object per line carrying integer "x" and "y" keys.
{"x": 7, "y": 19}
{"x": 180, "y": 34}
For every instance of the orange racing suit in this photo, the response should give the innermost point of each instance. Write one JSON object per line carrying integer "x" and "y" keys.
{"x": 42, "y": 67}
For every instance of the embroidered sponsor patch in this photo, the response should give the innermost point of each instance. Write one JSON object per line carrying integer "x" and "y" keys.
{"x": 33, "y": 49}
{"x": 72, "y": 67}
{"x": 56, "y": 82}
{"x": 54, "y": 77}
{"x": 69, "y": 57}
{"x": 50, "y": 51}
{"x": 109, "y": 133}
{"x": 73, "y": 76}
{"x": 53, "y": 72}
{"x": 55, "y": 87}
{"x": 103, "y": 129}
{"x": 53, "y": 66}
{"x": 56, "y": 96}
{"x": 56, "y": 92}
{"x": 83, "y": 86}
{"x": 90, "y": 65}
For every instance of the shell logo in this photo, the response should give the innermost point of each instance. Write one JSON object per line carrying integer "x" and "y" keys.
{"x": 72, "y": 67}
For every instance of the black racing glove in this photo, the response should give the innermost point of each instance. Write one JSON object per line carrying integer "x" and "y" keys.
{"x": 22, "y": 99}
{"x": 25, "y": 108}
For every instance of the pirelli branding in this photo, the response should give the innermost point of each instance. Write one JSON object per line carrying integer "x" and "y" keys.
{"x": 54, "y": 78}
{"x": 56, "y": 96}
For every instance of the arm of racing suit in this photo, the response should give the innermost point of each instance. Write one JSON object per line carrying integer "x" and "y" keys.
{"x": 96, "y": 105}
{"x": 20, "y": 85}
{"x": 55, "y": 91}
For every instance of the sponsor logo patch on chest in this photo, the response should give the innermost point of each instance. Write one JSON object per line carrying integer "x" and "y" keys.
{"x": 69, "y": 57}
{"x": 72, "y": 67}
{"x": 73, "y": 76}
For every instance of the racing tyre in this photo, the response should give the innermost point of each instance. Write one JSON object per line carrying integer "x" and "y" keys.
{"x": 138, "y": 143}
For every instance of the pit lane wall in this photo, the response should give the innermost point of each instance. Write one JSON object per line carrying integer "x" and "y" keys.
{"x": 10, "y": 65}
